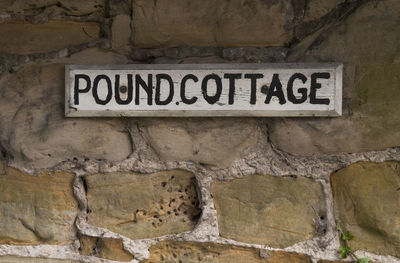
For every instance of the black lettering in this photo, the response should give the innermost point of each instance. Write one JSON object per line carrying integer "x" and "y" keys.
{"x": 76, "y": 87}
{"x": 253, "y": 78}
{"x": 117, "y": 91}
{"x": 168, "y": 78}
{"x": 275, "y": 89}
{"x": 303, "y": 91}
{"x": 218, "y": 82}
{"x": 139, "y": 82}
{"x": 95, "y": 87}
{"x": 315, "y": 85}
{"x": 232, "y": 78}
{"x": 183, "y": 87}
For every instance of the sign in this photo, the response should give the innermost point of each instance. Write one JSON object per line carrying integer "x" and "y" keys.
{"x": 204, "y": 90}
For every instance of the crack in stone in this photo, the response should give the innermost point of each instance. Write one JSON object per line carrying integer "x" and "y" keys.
{"x": 11, "y": 63}
{"x": 326, "y": 22}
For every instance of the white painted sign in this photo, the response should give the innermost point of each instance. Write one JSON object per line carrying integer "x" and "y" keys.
{"x": 204, "y": 90}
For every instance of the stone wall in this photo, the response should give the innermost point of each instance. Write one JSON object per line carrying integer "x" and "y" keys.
{"x": 198, "y": 189}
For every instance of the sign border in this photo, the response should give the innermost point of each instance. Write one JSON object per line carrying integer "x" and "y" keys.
{"x": 337, "y": 111}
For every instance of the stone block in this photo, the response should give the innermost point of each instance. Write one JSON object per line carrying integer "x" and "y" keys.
{"x": 121, "y": 32}
{"x": 367, "y": 203}
{"x": 166, "y": 23}
{"x": 26, "y": 38}
{"x": 210, "y": 141}
{"x": 367, "y": 43}
{"x": 108, "y": 248}
{"x": 37, "y": 209}
{"x": 191, "y": 252}
{"x": 34, "y": 130}
{"x": 143, "y": 205}
{"x": 69, "y": 7}
{"x": 269, "y": 210}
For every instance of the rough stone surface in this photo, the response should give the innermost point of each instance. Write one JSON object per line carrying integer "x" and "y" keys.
{"x": 167, "y": 23}
{"x": 172, "y": 251}
{"x": 211, "y": 141}
{"x": 119, "y": 7}
{"x": 124, "y": 210}
{"x": 35, "y": 130}
{"x": 316, "y": 9}
{"x": 69, "y": 7}
{"x": 270, "y": 210}
{"x": 367, "y": 44}
{"x": 121, "y": 32}
{"x": 143, "y": 205}
{"x": 26, "y": 38}
{"x": 367, "y": 203}
{"x": 16, "y": 259}
{"x": 107, "y": 248}
{"x": 36, "y": 209}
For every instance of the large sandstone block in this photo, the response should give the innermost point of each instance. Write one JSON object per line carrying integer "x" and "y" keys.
{"x": 269, "y": 210}
{"x": 108, "y": 248}
{"x": 166, "y": 23}
{"x": 191, "y": 252}
{"x": 36, "y": 209}
{"x": 367, "y": 43}
{"x": 143, "y": 205}
{"x": 26, "y": 38}
{"x": 34, "y": 129}
{"x": 367, "y": 203}
{"x": 208, "y": 141}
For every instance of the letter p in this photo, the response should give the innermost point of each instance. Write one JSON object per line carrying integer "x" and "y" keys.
{"x": 76, "y": 87}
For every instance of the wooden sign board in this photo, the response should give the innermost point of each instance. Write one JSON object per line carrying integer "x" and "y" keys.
{"x": 204, "y": 90}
